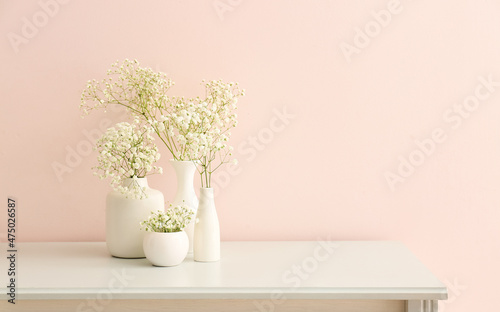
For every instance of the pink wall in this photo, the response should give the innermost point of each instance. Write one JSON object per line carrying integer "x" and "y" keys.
{"x": 357, "y": 104}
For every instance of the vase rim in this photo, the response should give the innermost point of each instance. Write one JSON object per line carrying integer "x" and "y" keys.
{"x": 196, "y": 161}
{"x": 207, "y": 191}
{"x": 141, "y": 181}
{"x": 148, "y": 232}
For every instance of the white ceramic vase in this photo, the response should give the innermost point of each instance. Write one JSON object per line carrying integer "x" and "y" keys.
{"x": 124, "y": 236}
{"x": 166, "y": 249}
{"x": 206, "y": 229}
{"x": 185, "y": 194}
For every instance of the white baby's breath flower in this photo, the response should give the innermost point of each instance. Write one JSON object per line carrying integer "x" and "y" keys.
{"x": 194, "y": 129}
{"x": 174, "y": 219}
{"x": 116, "y": 160}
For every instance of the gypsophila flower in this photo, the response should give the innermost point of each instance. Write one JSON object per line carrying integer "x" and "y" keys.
{"x": 129, "y": 85}
{"x": 196, "y": 129}
{"x": 127, "y": 151}
{"x": 175, "y": 219}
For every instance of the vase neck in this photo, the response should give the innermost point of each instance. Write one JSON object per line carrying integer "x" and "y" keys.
{"x": 206, "y": 197}
{"x": 142, "y": 182}
{"x": 184, "y": 171}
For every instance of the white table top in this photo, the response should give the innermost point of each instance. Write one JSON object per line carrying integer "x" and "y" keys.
{"x": 248, "y": 270}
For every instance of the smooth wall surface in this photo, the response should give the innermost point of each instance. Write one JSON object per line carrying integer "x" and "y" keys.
{"x": 363, "y": 120}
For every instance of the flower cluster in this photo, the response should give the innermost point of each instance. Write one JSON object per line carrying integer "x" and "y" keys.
{"x": 127, "y": 151}
{"x": 196, "y": 129}
{"x": 141, "y": 90}
{"x": 175, "y": 219}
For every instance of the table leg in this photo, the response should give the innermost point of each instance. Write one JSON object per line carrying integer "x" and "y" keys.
{"x": 422, "y": 306}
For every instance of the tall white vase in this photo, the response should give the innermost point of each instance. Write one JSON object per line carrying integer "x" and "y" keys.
{"x": 124, "y": 236}
{"x": 206, "y": 229}
{"x": 185, "y": 194}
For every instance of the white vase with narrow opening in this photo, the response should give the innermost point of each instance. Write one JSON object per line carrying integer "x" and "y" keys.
{"x": 185, "y": 194}
{"x": 206, "y": 230}
{"x": 124, "y": 236}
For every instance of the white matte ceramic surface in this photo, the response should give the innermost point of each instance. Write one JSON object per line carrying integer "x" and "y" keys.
{"x": 123, "y": 216}
{"x": 185, "y": 194}
{"x": 206, "y": 229}
{"x": 166, "y": 249}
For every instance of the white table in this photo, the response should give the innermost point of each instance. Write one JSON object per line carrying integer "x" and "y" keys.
{"x": 251, "y": 276}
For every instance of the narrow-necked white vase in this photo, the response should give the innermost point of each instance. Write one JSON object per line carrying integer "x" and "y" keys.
{"x": 206, "y": 229}
{"x": 185, "y": 194}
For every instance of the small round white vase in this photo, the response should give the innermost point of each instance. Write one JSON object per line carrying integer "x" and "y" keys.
{"x": 166, "y": 249}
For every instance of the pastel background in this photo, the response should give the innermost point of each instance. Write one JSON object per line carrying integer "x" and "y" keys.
{"x": 330, "y": 114}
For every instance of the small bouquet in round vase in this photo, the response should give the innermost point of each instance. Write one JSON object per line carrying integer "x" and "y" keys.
{"x": 165, "y": 242}
{"x": 127, "y": 155}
